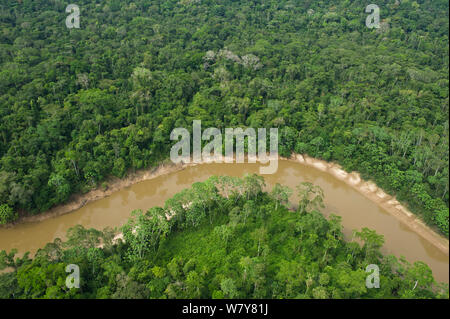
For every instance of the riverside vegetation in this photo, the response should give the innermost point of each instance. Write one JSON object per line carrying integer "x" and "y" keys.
{"x": 222, "y": 238}
{"x": 79, "y": 104}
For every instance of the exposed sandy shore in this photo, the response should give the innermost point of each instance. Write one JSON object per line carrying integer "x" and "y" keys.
{"x": 368, "y": 189}
{"x": 377, "y": 195}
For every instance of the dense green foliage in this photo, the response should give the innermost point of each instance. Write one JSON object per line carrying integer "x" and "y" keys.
{"x": 225, "y": 238}
{"x": 6, "y": 214}
{"x": 79, "y": 104}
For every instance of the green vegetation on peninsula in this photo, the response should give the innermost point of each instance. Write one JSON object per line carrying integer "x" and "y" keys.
{"x": 222, "y": 238}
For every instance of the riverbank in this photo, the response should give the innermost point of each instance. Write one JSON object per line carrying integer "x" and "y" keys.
{"x": 368, "y": 189}
{"x": 114, "y": 184}
{"x": 371, "y": 191}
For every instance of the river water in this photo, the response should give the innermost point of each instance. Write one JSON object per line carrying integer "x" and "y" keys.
{"x": 357, "y": 211}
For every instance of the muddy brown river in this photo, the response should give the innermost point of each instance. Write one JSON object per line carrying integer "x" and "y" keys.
{"x": 357, "y": 210}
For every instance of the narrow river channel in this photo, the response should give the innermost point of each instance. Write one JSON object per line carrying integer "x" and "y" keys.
{"x": 357, "y": 210}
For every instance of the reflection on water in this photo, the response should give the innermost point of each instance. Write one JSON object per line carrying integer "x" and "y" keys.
{"x": 356, "y": 210}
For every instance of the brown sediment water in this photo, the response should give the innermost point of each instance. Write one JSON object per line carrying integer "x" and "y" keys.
{"x": 360, "y": 203}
